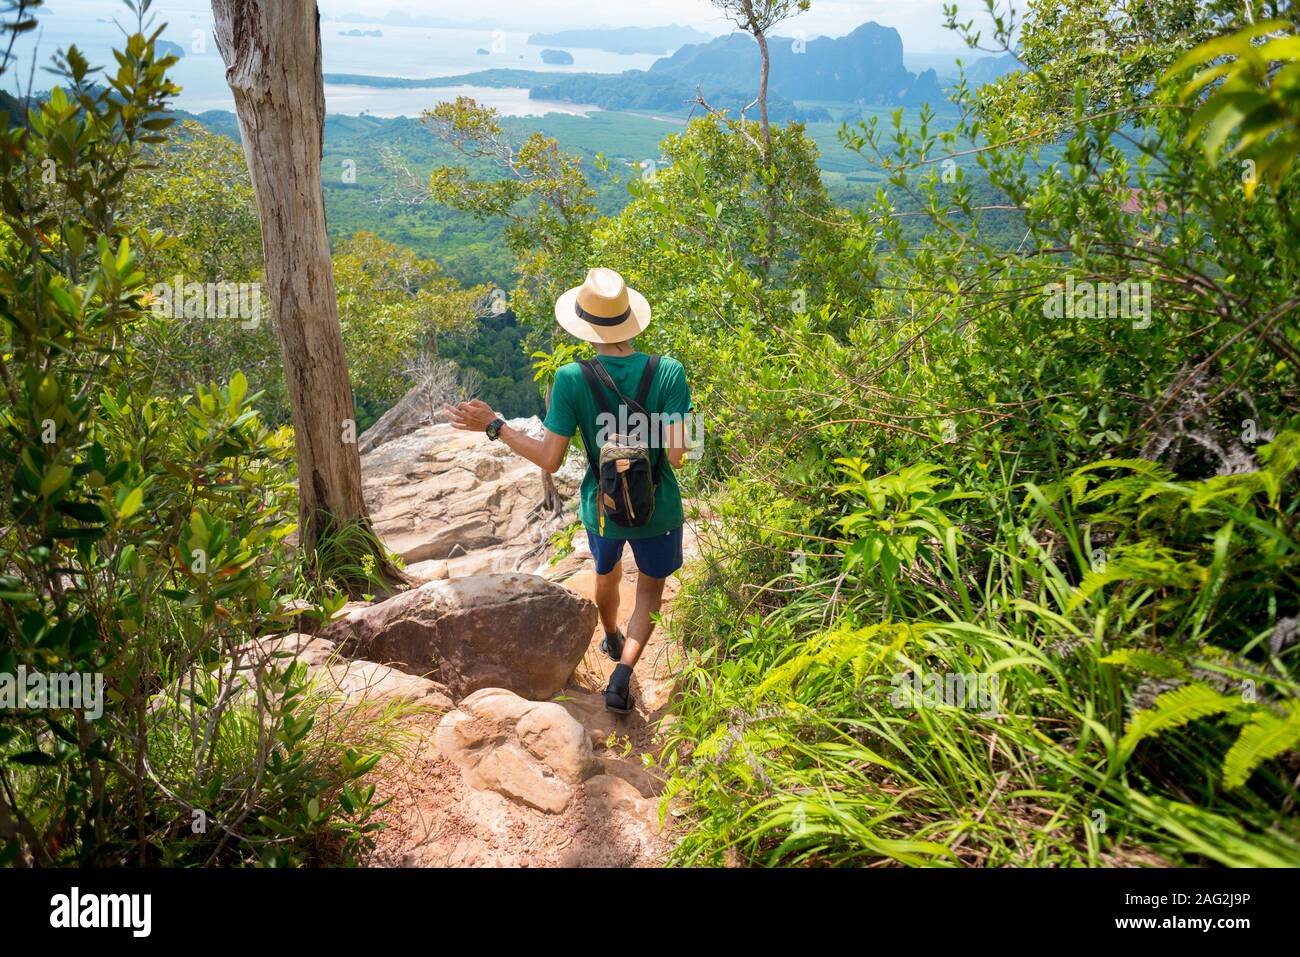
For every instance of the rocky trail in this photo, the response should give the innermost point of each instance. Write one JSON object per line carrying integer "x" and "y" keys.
{"x": 493, "y": 664}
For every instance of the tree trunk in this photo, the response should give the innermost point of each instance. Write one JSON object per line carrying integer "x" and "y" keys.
{"x": 272, "y": 53}
{"x": 764, "y": 69}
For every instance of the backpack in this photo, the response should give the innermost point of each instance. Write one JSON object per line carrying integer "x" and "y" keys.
{"x": 626, "y": 468}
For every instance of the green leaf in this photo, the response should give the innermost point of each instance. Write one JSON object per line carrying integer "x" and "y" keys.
{"x": 1233, "y": 44}
{"x": 1267, "y": 736}
{"x": 54, "y": 479}
{"x": 238, "y": 389}
{"x": 131, "y": 504}
{"x": 1173, "y": 709}
{"x": 33, "y": 759}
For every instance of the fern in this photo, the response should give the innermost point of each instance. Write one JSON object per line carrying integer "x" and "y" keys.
{"x": 861, "y": 648}
{"x": 1173, "y": 709}
{"x": 1144, "y": 564}
{"x": 1267, "y": 736}
{"x": 1148, "y": 662}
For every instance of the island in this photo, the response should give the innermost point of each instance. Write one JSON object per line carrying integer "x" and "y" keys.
{"x": 864, "y": 67}
{"x": 481, "y": 52}
{"x": 362, "y": 33}
{"x": 168, "y": 48}
{"x": 557, "y": 57}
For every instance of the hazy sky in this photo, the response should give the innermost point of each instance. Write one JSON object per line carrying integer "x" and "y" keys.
{"x": 919, "y": 21}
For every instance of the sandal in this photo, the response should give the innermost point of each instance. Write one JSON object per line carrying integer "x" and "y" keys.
{"x": 620, "y": 702}
{"x": 616, "y": 652}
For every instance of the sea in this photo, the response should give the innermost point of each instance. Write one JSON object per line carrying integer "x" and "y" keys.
{"x": 96, "y": 27}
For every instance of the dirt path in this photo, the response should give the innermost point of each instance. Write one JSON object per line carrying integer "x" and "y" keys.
{"x": 436, "y": 818}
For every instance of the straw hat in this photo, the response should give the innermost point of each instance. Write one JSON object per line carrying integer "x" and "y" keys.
{"x": 603, "y": 309}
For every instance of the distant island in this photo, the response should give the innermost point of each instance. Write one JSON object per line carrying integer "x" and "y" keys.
{"x": 481, "y": 52}
{"x": 168, "y": 48}
{"x": 633, "y": 90}
{"x": 362, "y": 33}
{"x": 662, "y": 40}
{"x": 864, "y": 69}
{"x": 557, "y": 57}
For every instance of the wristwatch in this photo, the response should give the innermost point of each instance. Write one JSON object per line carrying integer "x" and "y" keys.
{"x": 493, "y": 429}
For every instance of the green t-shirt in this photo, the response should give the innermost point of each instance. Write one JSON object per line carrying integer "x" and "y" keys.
{"x": 572, "y": 403}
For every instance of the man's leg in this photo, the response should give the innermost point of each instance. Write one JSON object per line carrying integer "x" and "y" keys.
{"x": 607, "y": 554}
{"x": 649, "y": 596}
{"x": 607, "y": 597}
{"x": 656, "y": 559}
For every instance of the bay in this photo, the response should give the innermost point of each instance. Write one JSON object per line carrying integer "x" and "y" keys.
{"x": 400, "y": 51}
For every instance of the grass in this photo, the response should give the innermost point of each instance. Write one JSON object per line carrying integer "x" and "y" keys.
{"x": 797, "y": 743}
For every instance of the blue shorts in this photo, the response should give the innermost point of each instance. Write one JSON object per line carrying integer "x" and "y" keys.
{"x": 657, "y": 557}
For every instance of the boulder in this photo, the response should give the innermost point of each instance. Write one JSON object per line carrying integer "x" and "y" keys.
{"x": 304, "y": 647}
{"x": 429, "y": 570}
{"x": 510, "y": 630}
{"x": 435, "y": 494}
{"x": 355, "y": 682}
{"x": 369, "y": 681}
{"x": 531, "y": 752}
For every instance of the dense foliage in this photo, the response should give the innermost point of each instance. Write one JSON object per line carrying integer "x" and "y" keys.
{"x": 143, "y": 532}
{"x": 395, "y": 307}
{"x": 1018, "y": 582}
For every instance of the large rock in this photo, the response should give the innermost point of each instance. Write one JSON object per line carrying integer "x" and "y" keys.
{"x": 361, "y": 681}
{"x": 352, "y": 682}
{"x": 511, "y": 630}
{"x": 532, "y": 752}
{"x": 437, "y": 495}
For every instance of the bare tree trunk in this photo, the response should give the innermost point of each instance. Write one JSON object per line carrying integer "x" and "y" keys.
{"x": 272, "y": 53}
{"x": 765, "y": 67}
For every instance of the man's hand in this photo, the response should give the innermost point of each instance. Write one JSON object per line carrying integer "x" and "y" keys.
{"x": 546, "y": 453}
{"x": 471, "y": 416}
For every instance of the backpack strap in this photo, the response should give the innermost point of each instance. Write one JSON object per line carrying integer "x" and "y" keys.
{"x": 642, "y": 396}
{"x": 594, "y": 380}
{"x": 602, "y": 402}
{"x": 647, "y": 380}
{"x": 598, "y": 369}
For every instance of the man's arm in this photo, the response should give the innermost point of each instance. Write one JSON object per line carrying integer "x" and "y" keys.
{"x": 547, "y": 453}
{"x": 675, "y": 444}
{"x": 677, "y": 403}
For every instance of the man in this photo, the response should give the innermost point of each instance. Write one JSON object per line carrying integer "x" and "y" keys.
{"x": 604, "y": 312}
